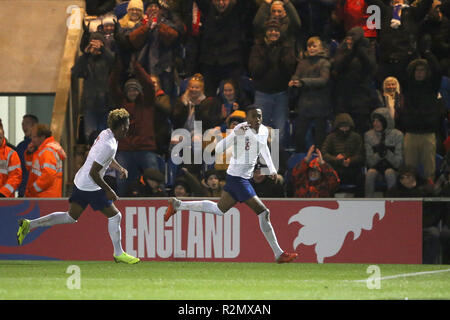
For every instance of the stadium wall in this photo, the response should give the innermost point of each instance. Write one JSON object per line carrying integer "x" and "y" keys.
{"x": 33, "y": 35}
{"x": 321, "y": 231}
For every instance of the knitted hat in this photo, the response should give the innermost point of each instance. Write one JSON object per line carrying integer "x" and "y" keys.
{"x": 237, "y": 115}
{"x": 343, "y": 120}
{"x": 153, "y": 174}
{"x": 272, "y": 24}
{"x": 133, "y": 83}
{"x": 109, "y": 19}
{"x": 136, "y": 4}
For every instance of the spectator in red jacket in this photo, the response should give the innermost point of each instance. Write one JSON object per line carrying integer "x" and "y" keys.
{"x": 138, "y": 150}
{"x": 314, "y": 178}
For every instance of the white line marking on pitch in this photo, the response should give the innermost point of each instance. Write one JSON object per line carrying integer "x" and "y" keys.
{"x": 407, "y": 275}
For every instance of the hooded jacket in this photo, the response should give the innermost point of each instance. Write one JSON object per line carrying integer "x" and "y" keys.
{"x": 422, "y": 109}
{"x": 46, "y": 176}
{"x": 393, "y": 141}
{"x": 353, "y": 70}
{"x": 350, "y": 146}
{"x": 325, "y": 187}
{"x": 10, "y": 170}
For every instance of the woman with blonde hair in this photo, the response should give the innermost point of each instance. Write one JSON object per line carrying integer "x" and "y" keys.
{"x": 391, "y": 96}
{"x": 194, "y": 105}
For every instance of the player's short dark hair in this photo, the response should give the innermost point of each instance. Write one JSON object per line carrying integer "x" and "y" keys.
{"x": 250, "y": 108}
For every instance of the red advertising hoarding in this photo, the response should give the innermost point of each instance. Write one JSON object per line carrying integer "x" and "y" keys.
{"x": 322, "y": 231}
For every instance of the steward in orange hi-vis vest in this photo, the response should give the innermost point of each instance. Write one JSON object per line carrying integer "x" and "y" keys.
{"x": 45, "y": 165}
{"x": 10, "y": 169}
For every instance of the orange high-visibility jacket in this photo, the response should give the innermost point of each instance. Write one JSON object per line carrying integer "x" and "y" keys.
{"x": 10, "y": 170}
{"x": 46, "y": 176}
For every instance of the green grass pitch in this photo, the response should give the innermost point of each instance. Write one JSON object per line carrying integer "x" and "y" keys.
{"x": 169, "y": 280}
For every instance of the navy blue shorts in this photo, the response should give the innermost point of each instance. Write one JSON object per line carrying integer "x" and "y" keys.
{"x": 96, "y": 199}
{"x": 239, "y": 188}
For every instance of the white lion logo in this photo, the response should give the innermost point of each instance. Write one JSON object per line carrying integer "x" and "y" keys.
{"x": 327, "y": 228}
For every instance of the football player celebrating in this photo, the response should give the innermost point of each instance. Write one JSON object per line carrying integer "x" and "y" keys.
{"x": 90, "y": 188}
{"x": 249, "y": 140}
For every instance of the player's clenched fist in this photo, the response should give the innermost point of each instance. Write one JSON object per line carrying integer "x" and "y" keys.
{"x": 240, "y": 129}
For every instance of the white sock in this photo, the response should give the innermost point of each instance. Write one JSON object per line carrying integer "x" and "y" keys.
{"x": 201, "y": 206}
{"x": 115, "y": 233}
{"x": 267, "y": 230}
{"x": 51, "y": 220}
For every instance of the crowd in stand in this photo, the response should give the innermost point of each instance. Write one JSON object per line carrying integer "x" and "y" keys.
{"x": 358, "y": 108}
{"x": 372, "y": 101}
{"x": 360, "y": 103}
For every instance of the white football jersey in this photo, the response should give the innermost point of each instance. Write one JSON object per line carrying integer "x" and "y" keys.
{"x": 103, "y": 152}
{"x": 246, "y": 149}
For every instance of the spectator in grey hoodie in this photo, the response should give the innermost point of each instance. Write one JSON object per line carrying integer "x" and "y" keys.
{"x": 384, "y": 151}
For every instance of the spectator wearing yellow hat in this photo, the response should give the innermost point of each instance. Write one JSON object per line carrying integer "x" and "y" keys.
{"x": 135, "y": 13}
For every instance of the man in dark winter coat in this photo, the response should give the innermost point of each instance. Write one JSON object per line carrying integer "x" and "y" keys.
{"x": 398, "y": 35}
{"x": 94, "y": 66}
{"x": 352, "y": 69}
{"x": 420, "y": 119}
{"x": 224, "y": 41}
{"x": 343, "y": 149}
{"x": 272, "y": 62}
{"x": 437, "y": 26}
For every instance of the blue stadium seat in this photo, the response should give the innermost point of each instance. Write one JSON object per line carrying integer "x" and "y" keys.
{"x": 438, "y": 161}
{"x": 171, "y": 172}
